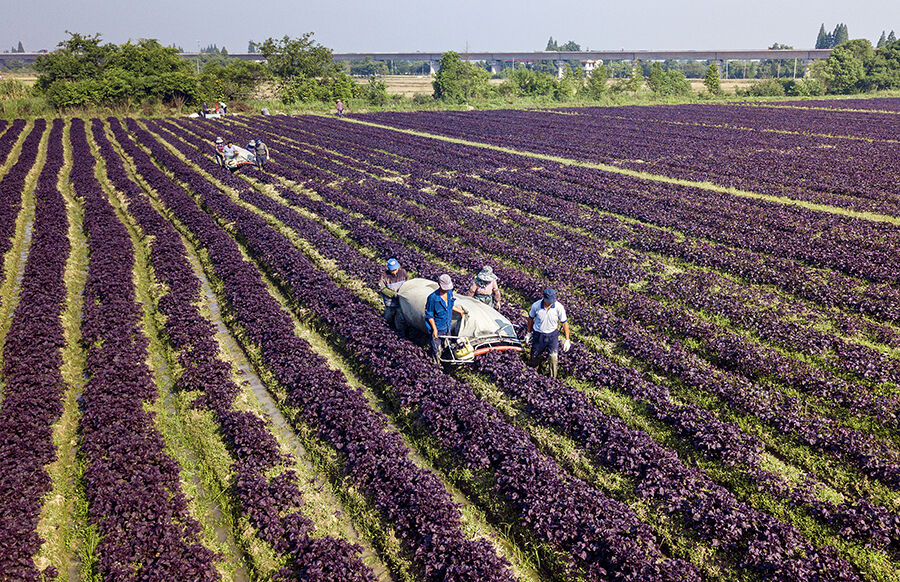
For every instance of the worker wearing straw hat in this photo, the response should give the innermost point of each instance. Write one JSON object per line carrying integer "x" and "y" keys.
{"x": 484, "y": 287}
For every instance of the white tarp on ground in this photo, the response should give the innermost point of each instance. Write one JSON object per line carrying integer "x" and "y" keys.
{"x": 481, "y": 321}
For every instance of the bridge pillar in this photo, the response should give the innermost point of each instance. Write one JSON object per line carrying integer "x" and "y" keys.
{"x": 495, "y": 67}
{"x": 589, "y": 66}
{"x": 560, "y": 69}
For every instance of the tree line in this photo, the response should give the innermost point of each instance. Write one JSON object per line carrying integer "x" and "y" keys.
{"x": 84, "y": 71}
{"x": 856, "y": 67}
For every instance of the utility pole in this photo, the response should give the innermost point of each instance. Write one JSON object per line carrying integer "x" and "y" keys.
{"x": 198, "y": 56}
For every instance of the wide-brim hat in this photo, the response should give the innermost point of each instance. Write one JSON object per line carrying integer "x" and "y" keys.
{"x": 219, "y": 140}
{"x": 445, "y": 282}
{"x": 486, "y": 274}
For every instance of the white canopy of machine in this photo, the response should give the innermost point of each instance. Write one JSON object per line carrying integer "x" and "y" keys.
{"x": 481, "y": 330}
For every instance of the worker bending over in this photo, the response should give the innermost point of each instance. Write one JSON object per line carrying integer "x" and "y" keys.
{"x": 484, "y": 287}
{"x": 544, "y": 318}
{"x": 439, "y": 309}
{"x": 391, "y": 281}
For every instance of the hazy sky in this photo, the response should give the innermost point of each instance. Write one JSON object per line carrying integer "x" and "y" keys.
{"x": 408, "y": 25}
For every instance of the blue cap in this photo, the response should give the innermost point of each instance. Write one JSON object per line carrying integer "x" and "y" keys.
{"x": 550, "y": 295}
{"x": 393, "y": 264}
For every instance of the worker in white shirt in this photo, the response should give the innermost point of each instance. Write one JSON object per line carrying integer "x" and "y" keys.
{"x": 544, "y": 319}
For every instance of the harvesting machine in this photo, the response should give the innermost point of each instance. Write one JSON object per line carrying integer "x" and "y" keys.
{"x": 481, "y": 330}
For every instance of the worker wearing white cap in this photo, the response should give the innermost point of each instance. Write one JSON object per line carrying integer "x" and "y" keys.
{"x": 392, "y": 279}
{"x": 439, "y": 309}
{"x": 544, "y": 319}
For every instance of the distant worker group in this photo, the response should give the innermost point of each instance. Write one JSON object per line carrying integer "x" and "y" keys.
{"x": 218, "y": 110}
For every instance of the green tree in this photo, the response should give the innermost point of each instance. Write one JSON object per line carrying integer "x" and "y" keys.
{"x": 571, "y": 46}
{"x": 636, "y": 80}
{"x": 667, "y": 82}
{"x": 530, "y": 83}
{"x": 883, "y": 69}
{"x": 234, "y": 79}
{"x": 147, "y": 58}
{"x": 304, "y": 69}
{"x": 551, "y": 45}
{"x": 712, "y": 81}
{"x": 569, "y": 84}
{"x": 85, "y": 72}
{"x": 20, "y": 48}
{"x": 840, "y": 35}
{"x": 845, "y": 70}
{"x": 251, "y": 47}
{"x": 765, "y": 88}
{"x": 891, "y": 38}
{"x": 376, "y": 92}
{"x": 656, "y": 78}
{"x": 596, "y": 82}
{"x": 78, "y": 58}
{"x": 457, "y": 81}
{"x": 822, "y": 41}
{"x": 882, "y": 40}
{"x": 302, "y": 57}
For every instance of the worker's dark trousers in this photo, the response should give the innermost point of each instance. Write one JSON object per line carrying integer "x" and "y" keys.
{"x": 546, "y": 342}
{"x": 486, "y": 299}
{"x": 436, "y": 345}
{"x": 394, "y": 316}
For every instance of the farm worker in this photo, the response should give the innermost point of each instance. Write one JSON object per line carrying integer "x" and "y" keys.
{"x": 340, "y": 108}
{"x": 220, "y": 155}
{"x": 439, "y": 309}
{"x": 223, "y": 107}
{"x": 544, "y": 318}
{"x": 262, "y": 154}
{"x": 484, "y": 287}
{"x": 229, "y": 152}
{"x": 392, "y": 279}
{"x": 216, "y": 108}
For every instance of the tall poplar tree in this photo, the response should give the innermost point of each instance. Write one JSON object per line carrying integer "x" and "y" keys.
{"x": 822, "y": 39}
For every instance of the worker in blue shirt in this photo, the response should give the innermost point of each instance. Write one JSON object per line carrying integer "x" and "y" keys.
{"x": 439, "y": 309}
{"x": 544, "y": 318}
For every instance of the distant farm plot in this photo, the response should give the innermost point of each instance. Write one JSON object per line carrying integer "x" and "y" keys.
{"x": 198, "y": 381}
